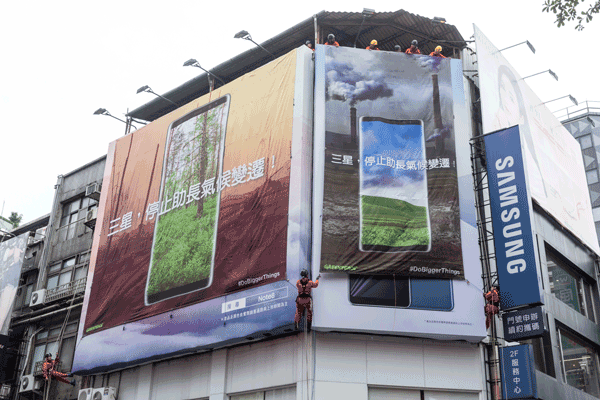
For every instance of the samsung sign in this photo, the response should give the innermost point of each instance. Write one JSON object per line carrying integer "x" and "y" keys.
{"x": 511, "y": 219}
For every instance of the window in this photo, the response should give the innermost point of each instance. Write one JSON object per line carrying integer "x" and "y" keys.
{"x": 542, "y": 353}
{"x": 46, "y": 341}
{"x": 71, "y": 269}
{"x": 579, "y": 363}
{"x": 568, "y": 286}
{"x": 287, "y": 393}
{"x": 73, "y": 212}
{"x": 24, "y": 293}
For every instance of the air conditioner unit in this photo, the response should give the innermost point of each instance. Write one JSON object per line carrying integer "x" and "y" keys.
{"x": 29, "y": 384}
{"x": 37, "y": 298}
{"x": 85, "y": 394}
{"x": 93, "y": 191}
{"x": 90, "y": 218}
{"x": 105, "y": 393}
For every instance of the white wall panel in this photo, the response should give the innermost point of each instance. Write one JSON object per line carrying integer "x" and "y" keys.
{"x": 431, "y": 395}
{"x": 341, "y": 359}
{"x": 129, "y": 384}
{"x": 377, "y": 393}
{"x": 342, "y": 391}
{"x": 183, "y": 378}
{"x": 395, "y": 363}
{"x": 452, "y": 366}
{"x": 262, "y": 365}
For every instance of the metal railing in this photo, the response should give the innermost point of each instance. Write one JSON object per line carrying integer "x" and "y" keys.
{"x": 584, "y": 108}
{"x": 66, "y": 290}
{"x": 37, "y": 369}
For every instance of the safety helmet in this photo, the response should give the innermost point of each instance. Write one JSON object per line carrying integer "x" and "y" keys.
{"x": 304, "y": 273}
{"x": 307, "y": 42}
{"x": 373, "y": 42}
{"x": 48, "y": 355}
{"x": 397, "y": 47}
{"x": 414, "y": 43}
{"x": 438, "y": 49}
{"x": 331, "y": 36}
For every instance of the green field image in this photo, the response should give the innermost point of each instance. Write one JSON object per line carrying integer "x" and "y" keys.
{"x": 183, "y": 247}
{"x": 394, "y": 223}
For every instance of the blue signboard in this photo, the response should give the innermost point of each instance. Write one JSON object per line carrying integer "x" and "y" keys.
{"x": 511, "y": 219}
{"x": 518, "y": 372}
{"x": 523, "y": 324}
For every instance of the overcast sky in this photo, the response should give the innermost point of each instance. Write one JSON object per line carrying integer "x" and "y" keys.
{"x": 63, "y": 60}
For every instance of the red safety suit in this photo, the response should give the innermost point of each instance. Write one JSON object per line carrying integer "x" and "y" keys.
{"x": 336, "y": 44}
{"x": 413, "y": 50}
{"x": 48, "y": 369}
{"x": 434, "y": 54}
{"x": 491, "y": 308}
{"x": 304, "y": 299}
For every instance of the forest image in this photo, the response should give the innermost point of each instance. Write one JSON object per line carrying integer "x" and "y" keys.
{"x": 184, "y": 238}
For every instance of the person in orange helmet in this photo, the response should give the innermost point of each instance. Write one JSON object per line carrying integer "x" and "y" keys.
{"x": 373, "y": 45}
{"x": 331, "y": 41}
{"x": 48, "y": 370}
{"x": 304, "y": 299}
{"x": 414, "y": 48}
{"x": 437, "y": 52}
{"x": 492, "y": 297}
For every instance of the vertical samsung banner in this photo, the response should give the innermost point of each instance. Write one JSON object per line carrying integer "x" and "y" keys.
{"x": 517, "y": 370}
{"x": 555, "y": 169}
{"x": 203, "y": 215}
{"x": 394, "y": 231}
{"x": 511, "y": 219}
{"x": 12, "y": 254}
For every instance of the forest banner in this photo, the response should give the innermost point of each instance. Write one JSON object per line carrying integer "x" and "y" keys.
{"x": 389, "y": 175}
{"x": 196, "y": 214}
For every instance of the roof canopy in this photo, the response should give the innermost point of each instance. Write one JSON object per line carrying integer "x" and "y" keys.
{"x": 388, "y": 28}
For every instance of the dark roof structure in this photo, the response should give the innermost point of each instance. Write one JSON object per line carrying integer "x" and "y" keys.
{"x": 389, "y": 28}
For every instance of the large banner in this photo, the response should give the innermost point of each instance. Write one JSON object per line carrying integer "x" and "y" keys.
{"x": 555, "y": 171}
{"x": 204, "y": 214}
{"x": 393, "y": 197}
{"x": 512, "y": 220}
{"x": 389, "y": 183}
{"x": 12, "y": 254}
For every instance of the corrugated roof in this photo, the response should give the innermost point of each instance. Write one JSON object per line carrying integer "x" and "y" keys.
{"x": 389, "y": 28}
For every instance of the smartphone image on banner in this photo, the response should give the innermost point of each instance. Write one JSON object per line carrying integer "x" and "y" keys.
{"x": 185, "y": 230}
{"x": 394, "y": 205}
{"x": 401, "y": 292}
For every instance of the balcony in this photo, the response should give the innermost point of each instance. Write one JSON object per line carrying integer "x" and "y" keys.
{"x": 37, "y": 369}
{"x": 66, "y": 290}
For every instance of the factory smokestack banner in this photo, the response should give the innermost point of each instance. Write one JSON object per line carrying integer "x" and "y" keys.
{"x": 511, "y": 220}
{"x": 12, "y": 255}
{"x": 390, "y": 193}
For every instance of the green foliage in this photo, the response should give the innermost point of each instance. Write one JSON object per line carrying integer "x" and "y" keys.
{"x": 391, "y": 222}
{"x": 183, "y": 247}
{"x": 567, "y": 10}
{"x": 15, "y": 219}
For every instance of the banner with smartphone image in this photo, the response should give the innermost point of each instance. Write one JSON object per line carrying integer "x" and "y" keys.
{"x": 390, "y": 185}
{"x": 199, "y": 223}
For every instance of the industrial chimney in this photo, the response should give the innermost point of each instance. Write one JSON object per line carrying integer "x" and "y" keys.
{"x": 353, "y": 134}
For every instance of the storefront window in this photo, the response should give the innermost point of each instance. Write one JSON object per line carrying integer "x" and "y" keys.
{"x": 579, "y": 364}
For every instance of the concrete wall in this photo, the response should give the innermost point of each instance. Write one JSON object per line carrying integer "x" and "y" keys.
{"x": 73, "y": 186}
{"x": 345, "y": 366}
